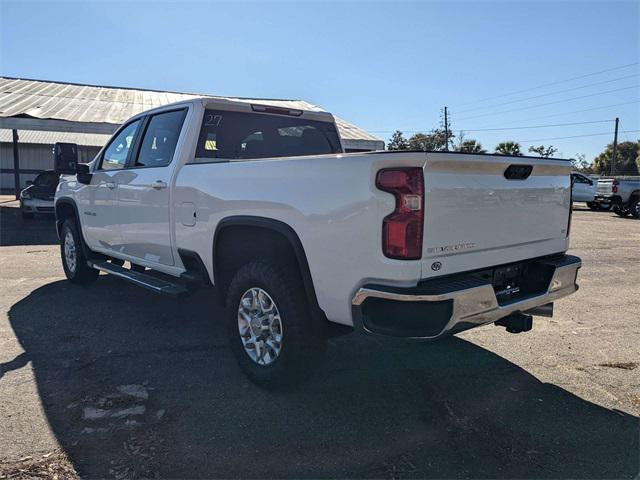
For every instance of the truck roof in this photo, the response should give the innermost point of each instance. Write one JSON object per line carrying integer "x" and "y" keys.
{"x": 299, "y": 108}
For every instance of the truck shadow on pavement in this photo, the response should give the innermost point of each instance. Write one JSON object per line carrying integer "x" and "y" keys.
{"x": 136, "y": 385}
{"x": 14, "y": 230}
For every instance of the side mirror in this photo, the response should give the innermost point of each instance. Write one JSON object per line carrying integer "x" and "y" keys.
{"x": 83, "y": 173}
{"x": 28, "y": 182}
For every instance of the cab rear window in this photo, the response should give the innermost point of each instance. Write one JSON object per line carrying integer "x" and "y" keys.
{"x": 240, "y": 135}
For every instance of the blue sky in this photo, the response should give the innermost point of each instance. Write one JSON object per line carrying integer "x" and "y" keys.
{"x": 381, "y": 65}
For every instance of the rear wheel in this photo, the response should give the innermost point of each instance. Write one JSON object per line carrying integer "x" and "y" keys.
{"x": 74, "y": 261}
{"x": 634, "y": 208}
{"x": 605, "y": 206}
{"x": 620, "y": 210}
{"x": 269, "y": 326}
{"x": 593, "y": 205}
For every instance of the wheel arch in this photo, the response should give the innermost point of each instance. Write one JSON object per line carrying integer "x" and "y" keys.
{"x": 275, "y": 227}
{"x": 66, "y": 208}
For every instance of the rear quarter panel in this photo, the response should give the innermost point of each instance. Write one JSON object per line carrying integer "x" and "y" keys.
{"x": 330, "y": 201}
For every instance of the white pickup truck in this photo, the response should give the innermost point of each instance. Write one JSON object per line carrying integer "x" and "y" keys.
{"x": 303, "y": 242}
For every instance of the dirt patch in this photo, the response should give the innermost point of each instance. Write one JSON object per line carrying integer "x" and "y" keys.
{"x": 50, "y": 465}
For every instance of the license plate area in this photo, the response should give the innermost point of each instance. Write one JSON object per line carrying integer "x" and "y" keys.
{"x": 517, "y": 281}
{"x": 506, "y": 280}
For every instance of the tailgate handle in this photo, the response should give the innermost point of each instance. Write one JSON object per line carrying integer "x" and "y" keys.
{"x": 518, "y": 172}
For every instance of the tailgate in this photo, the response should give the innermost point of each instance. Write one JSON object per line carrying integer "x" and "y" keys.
{"x": 604, "y": 186}
{"x": 476, "y": 217}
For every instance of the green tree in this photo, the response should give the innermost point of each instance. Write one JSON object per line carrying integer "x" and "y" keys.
{"x": 471, "y": 146}
{"x": 580, "y": 164}
{"x": 626, "y": 159}
{"x": 397, "y": 141}
{"x": 435, "y": 140}
{"x": 543, "y": 151}
{"x": 509, "y": 148}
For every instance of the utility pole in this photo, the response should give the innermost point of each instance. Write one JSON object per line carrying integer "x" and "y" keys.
{"x": 16, "y": 165}
{"x": 615, "y": 147}
{"x": 446, "y": 131}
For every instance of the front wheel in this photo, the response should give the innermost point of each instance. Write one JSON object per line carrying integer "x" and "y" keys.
{"x": 73, "y": 260}
{"x": 269, "y": 326}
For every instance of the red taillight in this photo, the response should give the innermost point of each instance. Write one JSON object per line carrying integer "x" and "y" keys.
{"x": 402, "y": 229}
{"x": 614, "y": 186}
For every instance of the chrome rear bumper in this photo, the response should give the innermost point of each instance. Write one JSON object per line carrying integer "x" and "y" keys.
{"x": 469, "y": 304}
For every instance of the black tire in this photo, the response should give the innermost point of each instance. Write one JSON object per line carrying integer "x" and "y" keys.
{"x": 621, "y": 211}
{"x": 79, "y": 273}
{"x": 634, "y": 207}
{"x": 604, "y": 206}
{"x": 301, "y": 348}
{"x": 593, "y": 205}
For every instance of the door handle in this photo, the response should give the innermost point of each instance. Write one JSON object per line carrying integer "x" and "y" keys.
{"x": 158, "y": 185}
{"x": 111, "y": 185}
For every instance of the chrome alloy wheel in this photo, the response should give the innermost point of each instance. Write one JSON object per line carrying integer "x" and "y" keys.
{"x": 70, "y": 256}
{"x": 260, "y": 326}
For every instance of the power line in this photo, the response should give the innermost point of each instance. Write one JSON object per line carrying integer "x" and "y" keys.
{"x": 501, "y": 128}
{"x": 550, "y": 84}
{"x": 571, "y": 136}
{"x": 550, "y": 103}
{"x": 626, "y": 136}
{"x": 531, "y": 126}
{"x": 403, "y": 130}
{"x": 584, "y": 110}
{"x": 548, "y": 94}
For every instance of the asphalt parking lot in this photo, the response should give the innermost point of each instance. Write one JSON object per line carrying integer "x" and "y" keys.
{"x": 128, "y": 384}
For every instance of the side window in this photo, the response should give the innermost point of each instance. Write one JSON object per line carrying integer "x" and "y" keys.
{"x": 160, "y": 139}
{"x": 115, "y": 156}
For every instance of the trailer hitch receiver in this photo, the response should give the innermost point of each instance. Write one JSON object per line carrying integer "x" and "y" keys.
{"x": 516, "y": 322}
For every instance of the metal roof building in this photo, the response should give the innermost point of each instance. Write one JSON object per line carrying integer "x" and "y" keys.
{"x": 88, "y": 114}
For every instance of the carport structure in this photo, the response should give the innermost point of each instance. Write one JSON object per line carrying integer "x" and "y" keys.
{"x": 48, "y": 106}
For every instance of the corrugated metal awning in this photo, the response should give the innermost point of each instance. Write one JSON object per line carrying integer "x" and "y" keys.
{"x": 67, "y": 107}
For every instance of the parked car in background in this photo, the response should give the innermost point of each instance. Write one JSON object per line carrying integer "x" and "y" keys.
{"x": 623, "y": 193}
{"x": 39, "y": 194}
{"x": 304, "y": 242}
{"x": 583, "y": 189}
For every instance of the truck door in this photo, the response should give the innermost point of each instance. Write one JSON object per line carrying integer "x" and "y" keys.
{"x": 144, "y": 191}
{"x": 97, "y": 202}
{"x": 582, "y": 188}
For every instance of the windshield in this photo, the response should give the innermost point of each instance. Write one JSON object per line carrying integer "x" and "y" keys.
{"x": 47, "y": 179}
{"x": 239, "y": 135}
